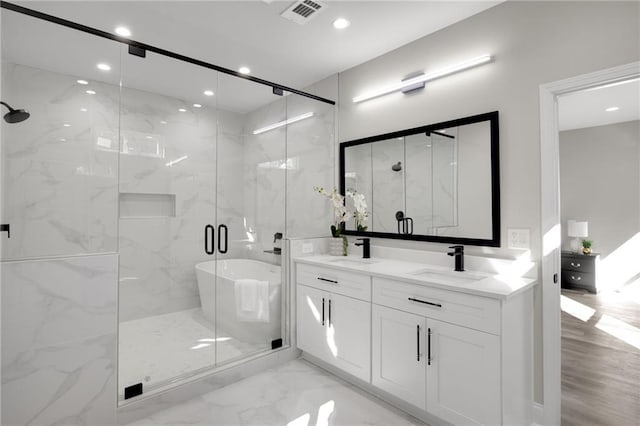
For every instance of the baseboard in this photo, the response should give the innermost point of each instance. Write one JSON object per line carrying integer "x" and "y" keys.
{"x": 537, "y": 414}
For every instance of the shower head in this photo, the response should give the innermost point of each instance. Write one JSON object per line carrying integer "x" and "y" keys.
{"x": 397, "y": 167}
{"x": 15, "y": 115}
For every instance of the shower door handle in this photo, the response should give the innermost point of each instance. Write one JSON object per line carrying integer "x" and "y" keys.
{"x": 226, "y": 238}
{"x": 209, "y": 235}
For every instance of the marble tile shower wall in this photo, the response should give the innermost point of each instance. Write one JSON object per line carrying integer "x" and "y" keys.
{"x": 60, "y": 177}
{"x": 165, "y": 151}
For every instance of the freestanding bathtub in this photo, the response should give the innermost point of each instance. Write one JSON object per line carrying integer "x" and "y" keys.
{"x": 217, "y": 292}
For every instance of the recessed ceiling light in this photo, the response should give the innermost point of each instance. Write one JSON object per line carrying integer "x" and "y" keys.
{"x": 91, "y": 92}
{"x": 341, "y": 23}
{"x": 182, "y": 110}
{"x": 62, "y": 140}
{"x": 123, "y": 31}
{"x": 611, "y": 109}
{"x": 83, "y": 82}
{"x": 208, "y": 92}
{"x": 197, "y": 105}
{"x": 67, "y": 125}
{"x": 244, "y": 70}
{"x": 83, "y": 109}
{"x": 104, "y": 67}
{"x": 163, "y": 122}
{"x": 149, "y": 137}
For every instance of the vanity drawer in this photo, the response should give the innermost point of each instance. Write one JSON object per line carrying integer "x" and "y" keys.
{"x": 336, "y": 281}
{"x": 476, "y": 312}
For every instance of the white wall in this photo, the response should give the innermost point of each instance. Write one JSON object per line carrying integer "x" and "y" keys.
{"x": 532, "y": 43}
{"x": 600, "y": 183}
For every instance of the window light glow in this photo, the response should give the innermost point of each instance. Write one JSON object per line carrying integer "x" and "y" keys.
{"x": 424, "y": 78}
{"x": 283, "y": 123}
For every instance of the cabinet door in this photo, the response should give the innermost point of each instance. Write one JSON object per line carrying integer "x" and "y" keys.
{"x": 348, "y": 335}
{"x": 398, "y": 356}
{"x": 312, "y": 316}
{"x": 463, "y": 376}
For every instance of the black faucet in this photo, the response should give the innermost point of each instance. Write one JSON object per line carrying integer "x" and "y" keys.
{"x": 458, "y": 254}
{"x": 366, "y": 247}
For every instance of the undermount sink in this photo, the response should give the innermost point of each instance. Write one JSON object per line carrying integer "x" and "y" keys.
{"x": 449, "y": 276}
{"x": 348, "y": 261}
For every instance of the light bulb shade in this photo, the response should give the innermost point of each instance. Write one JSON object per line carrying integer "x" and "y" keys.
{"x": 577, "y": 229}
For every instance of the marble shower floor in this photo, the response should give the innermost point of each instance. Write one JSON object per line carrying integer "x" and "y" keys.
{"x": 156, "y": 349}
{"x": 294, "y": 394}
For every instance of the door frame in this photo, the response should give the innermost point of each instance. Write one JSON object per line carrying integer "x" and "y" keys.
{"x": 550, "y": 225}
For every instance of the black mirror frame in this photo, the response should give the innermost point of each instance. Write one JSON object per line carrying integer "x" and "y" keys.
{"x": 494, "y": 241}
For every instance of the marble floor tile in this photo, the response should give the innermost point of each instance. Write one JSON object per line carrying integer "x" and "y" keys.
{"x": 157, "y": 349}
{"x": 294, "y": 394}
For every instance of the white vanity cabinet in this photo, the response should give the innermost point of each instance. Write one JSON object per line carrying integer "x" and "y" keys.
{"x": 461, "y": 356}
{"x": 334, "y": 318}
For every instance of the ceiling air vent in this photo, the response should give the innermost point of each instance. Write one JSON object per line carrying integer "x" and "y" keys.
{"x": 303, "y": 11}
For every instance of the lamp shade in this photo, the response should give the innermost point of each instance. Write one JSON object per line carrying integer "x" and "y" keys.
{"x": 577, "y": 229}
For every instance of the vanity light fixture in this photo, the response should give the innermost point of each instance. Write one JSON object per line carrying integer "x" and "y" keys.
{"x": 422, "y": 78}
{"x": 83, "y": 82}
{"x": 283, "y": 123}
{"x": 611, "y": 109}
{"x": 104, "y": 67}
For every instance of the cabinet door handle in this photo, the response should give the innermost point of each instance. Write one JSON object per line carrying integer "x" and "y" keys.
{"x": 428, "y": 346}
{"x": 329, "y": 312}
{"x": 418, "y": 342}
{"x": 576, "y": 265}
{"x": 411, "y": 299}
{"x": 327, "y": 280}
{"x": 323, "y": 311}
{"x": 226, "y": 238}
{"x": 576, "y": 278}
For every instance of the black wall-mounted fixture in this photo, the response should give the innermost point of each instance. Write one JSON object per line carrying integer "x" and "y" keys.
{"x": 405, "y": 224}
{"x": 15, "y": 115}
{"x": 397, "y": 167}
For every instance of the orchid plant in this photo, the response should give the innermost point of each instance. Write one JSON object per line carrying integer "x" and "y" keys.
{"x": 340, "y": 214}
{"x": 361, "y": 214}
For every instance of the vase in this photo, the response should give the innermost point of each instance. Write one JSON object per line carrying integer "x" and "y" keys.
{"x": 338, "y": 246}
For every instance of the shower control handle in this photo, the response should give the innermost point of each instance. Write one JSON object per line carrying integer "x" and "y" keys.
{"x": 209, "y": 238}
{"x": 226, "y": 238}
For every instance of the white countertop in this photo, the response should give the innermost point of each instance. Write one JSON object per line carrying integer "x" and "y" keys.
{"x": 497, "y": 286}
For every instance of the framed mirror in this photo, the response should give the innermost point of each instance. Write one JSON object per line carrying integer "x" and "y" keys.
{"x": 439, "y": 182}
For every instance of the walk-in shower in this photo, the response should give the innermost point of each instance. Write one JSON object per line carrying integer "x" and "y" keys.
{"x": 150, "y": 183}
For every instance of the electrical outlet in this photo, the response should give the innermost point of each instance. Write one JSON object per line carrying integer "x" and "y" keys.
{"x": 307, "y": 248}
{"x": 518, "y": 239}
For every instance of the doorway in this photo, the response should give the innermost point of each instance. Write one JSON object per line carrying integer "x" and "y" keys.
{"x": 552, "y": 225}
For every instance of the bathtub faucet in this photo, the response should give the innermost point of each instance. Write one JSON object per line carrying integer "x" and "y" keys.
{"x": 276, "y": 250}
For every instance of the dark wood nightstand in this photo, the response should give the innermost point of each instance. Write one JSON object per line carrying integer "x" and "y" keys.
{"x": 580, "y": 271}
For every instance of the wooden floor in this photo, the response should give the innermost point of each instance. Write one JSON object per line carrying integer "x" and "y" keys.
{"x": 601, "y": 368}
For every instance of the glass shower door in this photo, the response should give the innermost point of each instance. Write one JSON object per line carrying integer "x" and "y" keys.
{"x": 250, "y": 202}
{"x": 167, "y": 187}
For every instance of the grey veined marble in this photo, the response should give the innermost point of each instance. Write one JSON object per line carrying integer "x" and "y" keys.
{"x": 294, "y": 394}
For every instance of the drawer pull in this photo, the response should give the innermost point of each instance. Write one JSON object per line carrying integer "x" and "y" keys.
{"x": 327, "y": 280}
{"x": 576, "y": 278}
{"x": 575, "y": 265}
{"x": 411, "y": 299}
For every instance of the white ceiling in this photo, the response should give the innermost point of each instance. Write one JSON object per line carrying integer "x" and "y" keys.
{"x": 229, "y": 34}
{"x": 587, "y": 108}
